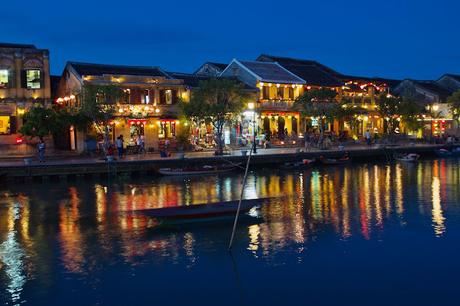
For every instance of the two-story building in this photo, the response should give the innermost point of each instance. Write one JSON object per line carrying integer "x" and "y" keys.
{"x": 277, "y": 90}
{"x": 24, "y": 81}
{"x": 432, "y": 96}
{"x": 148, "y": 108}
{"x": 361, "y": 92}
{"x": 315, "y": 76}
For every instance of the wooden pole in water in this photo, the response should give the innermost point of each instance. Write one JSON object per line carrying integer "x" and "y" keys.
{"x": 241, "y": 199}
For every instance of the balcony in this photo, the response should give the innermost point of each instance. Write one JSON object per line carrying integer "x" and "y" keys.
{"x": 278, "y": 105}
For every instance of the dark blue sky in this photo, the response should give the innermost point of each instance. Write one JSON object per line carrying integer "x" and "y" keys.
{"x": 388, "y": 38}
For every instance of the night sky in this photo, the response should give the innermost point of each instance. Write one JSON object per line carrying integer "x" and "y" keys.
{"x": 388, "y": 38}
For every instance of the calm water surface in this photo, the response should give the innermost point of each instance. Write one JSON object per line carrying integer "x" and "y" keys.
{"x": 370, "y": 234}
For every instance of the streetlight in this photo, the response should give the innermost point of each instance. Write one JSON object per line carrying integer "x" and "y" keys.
{"x": 251, "y": 106}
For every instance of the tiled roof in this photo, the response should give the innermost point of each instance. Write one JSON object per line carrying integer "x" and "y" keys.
{"x": 12, "y": 45}
{"x": 296, "y": 61}
{"x": 435, "y": 88}
{"x": 272, "y": 72}
{"x": 101, "y": 69}
{"x": 312, "y": 72}
{"x": 390, "y": 82}
{"x": 220, "y": 66}
{"x": 453, "y": 76}
{"x": 191, "y": 80}
{"x": 316, "y": 73}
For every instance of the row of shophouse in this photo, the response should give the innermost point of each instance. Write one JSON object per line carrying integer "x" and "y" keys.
{"x": 149, "y": 107}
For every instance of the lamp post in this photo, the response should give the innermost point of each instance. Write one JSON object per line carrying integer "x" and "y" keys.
{"x": 251, "y": 106}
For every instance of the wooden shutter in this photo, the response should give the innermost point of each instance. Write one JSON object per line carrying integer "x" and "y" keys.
{"x": 174, "y": 96}
{"x": 13, "y": 124}
{"x": 23, "y": 78}
{"x": 162, "y": 97}
{"x": 42, "y": 79}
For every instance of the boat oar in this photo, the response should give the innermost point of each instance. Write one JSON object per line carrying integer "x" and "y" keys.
{"x": 239, "y": 202}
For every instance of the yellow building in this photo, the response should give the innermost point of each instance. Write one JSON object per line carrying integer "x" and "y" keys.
{"x": 24, "y": 81}
{"x": 148, "y": 108}
{"x": 362, "y": 92}
{"x": 277, "y": 90}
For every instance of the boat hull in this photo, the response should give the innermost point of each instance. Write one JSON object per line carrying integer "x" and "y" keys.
{"x": 200, "y": 211}
{"x": 179, "y": 172}
{"x": 332, "y": 161}
{"x": 447, "y": 154}
{"x": 409, "y": 158}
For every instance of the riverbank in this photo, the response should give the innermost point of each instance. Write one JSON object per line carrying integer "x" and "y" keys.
{"x": 64, "y": 168}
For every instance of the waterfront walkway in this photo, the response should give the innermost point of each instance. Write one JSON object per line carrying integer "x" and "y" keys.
{"x": 73, "y": 165}
{"x": 68, "y": 159}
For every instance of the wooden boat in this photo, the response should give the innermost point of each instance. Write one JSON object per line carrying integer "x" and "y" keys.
{"x": 200, "y": 211}
{"x": 409, "y": 157}
{"x": 446, "y": 153}
{"x": 203, "y": 170}
{"x": 335, "y": 161}
{"x": 305, "y": 163}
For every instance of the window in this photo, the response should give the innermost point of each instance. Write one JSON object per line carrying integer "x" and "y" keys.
{"x": 33, "y": 79}
{"x": 5, "y": 125}
{"x": 167, "y": 129}
{"x": 280, "y": 93}
{"x": 146, "y": 97}
{"x": 4, "y": 78}
{"x": 291, "y": 93}
{"x": 168, "y": 96}
{"x": 265, "y": 92}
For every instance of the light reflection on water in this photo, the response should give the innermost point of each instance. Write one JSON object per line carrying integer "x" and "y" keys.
{"x": 76, "y": 232}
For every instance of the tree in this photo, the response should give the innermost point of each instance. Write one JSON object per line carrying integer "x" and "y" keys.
{"x": 394, "y": 109}
{"x": 40, "y": 121}
{"x": 388, "y": 107}
{"x": 98, "y": 106}
{"x": 349, "y": 112}
{"x": 410, "y": 112}
{"x": 319, "y": 103}
{"x": 454, "y": 104}
{"x": 215, "y": 101}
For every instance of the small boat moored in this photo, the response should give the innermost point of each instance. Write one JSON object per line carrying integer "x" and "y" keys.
{"x": 204, "y": 212}
{"x": 201, "y": 170}
{"x": 407, "y": 157}
{"x": 305, "y": 163}
{"x": 446, "y": 153}
{"x": 335, "y": 161}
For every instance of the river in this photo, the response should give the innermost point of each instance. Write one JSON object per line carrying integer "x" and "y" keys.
{"x": 361, "y": 234}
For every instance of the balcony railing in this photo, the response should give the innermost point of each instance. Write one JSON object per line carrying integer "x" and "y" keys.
{"x": 276, "y": 105}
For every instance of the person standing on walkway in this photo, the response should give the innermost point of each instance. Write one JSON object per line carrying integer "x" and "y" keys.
{"x": 41, "y": 150}
{"x": 307, "y": 142}
{"x": 367, "y": 135}
{"x": 120, "y": 146}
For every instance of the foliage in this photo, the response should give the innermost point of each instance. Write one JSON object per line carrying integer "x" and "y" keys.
{"x": 40, "y": 121}
{"x": 215, "y": 101}
{"x": 98, "y": 105}
{"x": 349, "y": 112}
{"x": 454, "y": 104}
{"x": 410, "y": 114}
{"x": 319, "y": 103}
{"x": 97, "y": 109}
{"x": 391, "y": 108}
{"x": 183, "y": 137}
